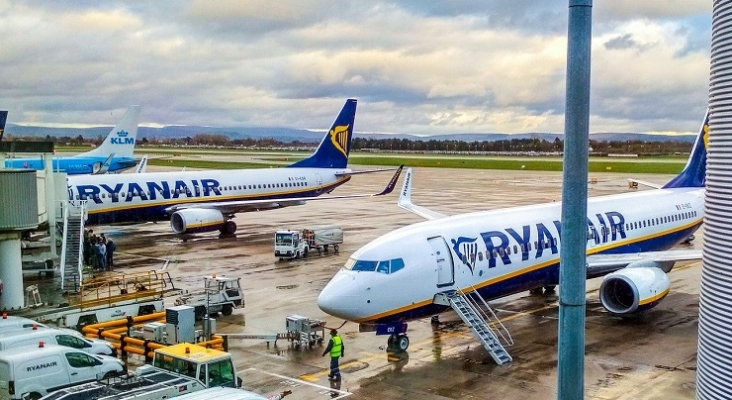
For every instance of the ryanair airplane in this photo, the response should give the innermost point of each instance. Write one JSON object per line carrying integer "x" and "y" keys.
{"x": 113, "y": 155}
{"x": 205, "y": 201}
{"x": 406, "y": 274}
{"x": 3, "y": 118}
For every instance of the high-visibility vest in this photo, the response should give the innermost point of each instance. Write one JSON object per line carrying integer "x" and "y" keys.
{"x": 337, "y": 348}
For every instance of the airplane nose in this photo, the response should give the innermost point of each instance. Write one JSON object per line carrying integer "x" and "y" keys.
{"x": 337, "y": 298}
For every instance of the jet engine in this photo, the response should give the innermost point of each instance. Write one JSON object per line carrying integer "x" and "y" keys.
{"x": 193, "y": 220}
{"x": 634, "y": 288}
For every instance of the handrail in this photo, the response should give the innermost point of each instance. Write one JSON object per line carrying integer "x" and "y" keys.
{"x": 508, "y": 340}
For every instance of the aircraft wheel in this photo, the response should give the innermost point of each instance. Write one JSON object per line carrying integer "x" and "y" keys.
{"x": 402, "y": 343}
{"x": 229, "y": 228}
{"x": 536, "y": 291}
{"x": 549, "y": 288}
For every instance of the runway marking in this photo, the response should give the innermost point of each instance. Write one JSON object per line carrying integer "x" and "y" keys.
{"x": 294, "y": 382}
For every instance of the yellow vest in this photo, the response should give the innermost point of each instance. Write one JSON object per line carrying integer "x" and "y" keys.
{"x": 337, "y": 348}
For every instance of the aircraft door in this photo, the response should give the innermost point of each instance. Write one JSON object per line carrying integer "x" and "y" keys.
{"x": 318, "y": 182}
{"x": 443, "y": 259}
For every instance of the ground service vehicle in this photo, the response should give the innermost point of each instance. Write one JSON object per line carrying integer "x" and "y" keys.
{"x": 175, "y": 371}
{"x": 10, "y": 322}
{"x": 295, "y": 244}
{"x": 68, "y": 338}
{"x": 220, "y": 294}
{"x": 31, "y": 372}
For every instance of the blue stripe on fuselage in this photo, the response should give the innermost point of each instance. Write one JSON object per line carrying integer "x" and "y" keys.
{"x": 548, "y": 275}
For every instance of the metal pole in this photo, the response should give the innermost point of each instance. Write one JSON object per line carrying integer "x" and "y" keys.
{"x": 572, "y": 274}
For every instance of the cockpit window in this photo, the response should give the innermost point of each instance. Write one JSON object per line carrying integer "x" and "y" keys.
{"x": 383, "y": 267}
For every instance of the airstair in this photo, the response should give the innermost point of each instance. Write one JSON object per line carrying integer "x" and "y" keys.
{"x": 72, "y": 261}
{"x": 467, "y": 306}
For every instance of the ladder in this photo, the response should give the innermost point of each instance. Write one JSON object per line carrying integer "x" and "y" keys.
{"x": 477, "y": 319}
{"x": 72, "y": 246}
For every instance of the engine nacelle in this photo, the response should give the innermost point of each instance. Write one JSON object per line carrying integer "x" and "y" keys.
{"x": 194, "y": 220}
{"x": 634, "y": 288}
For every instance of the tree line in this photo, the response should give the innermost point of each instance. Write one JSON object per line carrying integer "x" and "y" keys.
{"x": 525, "y": 145}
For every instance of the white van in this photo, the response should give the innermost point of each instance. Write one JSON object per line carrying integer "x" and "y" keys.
{"x": 10, "y": 322}
{"x": 222, "y": 393}
{"x": 32, "y": 372}
{"x": 65, "y": 337}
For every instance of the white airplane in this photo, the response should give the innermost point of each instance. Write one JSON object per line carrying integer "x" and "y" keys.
{"x": 205, "y": 201}
{"x": 405, "y": 274}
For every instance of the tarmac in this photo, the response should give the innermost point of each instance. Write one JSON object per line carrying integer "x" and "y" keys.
{"x": 651, "y": 356}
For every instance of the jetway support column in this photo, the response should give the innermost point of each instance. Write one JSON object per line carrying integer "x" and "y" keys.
{"x": 11, "y": 272}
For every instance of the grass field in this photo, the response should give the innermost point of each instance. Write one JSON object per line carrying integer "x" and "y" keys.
{"x": 657, "y": 165}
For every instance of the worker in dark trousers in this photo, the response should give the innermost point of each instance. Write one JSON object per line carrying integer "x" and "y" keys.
{"x": 336, "y": 350}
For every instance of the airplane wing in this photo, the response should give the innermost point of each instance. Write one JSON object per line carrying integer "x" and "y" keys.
{"x": 101, "y": 169}
{"x": 405, "y": 201}
{"x": 644, "y": 183}
{"x": 366, "y": 171}
{"x": 233, "y": 207}
{"x": 602, "y": 263}
{"x": 142, "y": 166}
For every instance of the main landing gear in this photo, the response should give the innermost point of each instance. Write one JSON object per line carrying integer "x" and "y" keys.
{"x": 548, "y": 289}
{"x": 228, "y": 228}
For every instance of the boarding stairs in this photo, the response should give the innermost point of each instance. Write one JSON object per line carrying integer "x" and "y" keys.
{"x": 478, "y": 319}
{"x": 72, "y": 260}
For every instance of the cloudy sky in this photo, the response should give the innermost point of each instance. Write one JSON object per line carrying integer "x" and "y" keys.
{"x": 419, "y": 67}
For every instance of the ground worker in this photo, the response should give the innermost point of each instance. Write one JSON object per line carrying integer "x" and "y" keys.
{"x": 336, "y": 350}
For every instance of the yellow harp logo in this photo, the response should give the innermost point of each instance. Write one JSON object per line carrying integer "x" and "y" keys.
{"x": 1, "y": 133}
{"x": 706, "y": 136}
{"x": 339, "y": 138}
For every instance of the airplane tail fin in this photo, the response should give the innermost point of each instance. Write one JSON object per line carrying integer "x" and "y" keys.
{"x": 333, "y": 149}
{"x": 695, "y": 171}
{"x": 3, "y": 118}
{"x": 122, "y": 138}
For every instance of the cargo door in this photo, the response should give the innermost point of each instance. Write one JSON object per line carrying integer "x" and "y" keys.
{"x": 443, "y": 260}
{"x": 318, "y": 183}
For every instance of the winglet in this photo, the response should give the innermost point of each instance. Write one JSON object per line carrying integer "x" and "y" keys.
{"x": 142, "y": 166}
{"x": 405, "y": 201}
{"x": 101, "y": 169}
{"x": 392, "y": 183}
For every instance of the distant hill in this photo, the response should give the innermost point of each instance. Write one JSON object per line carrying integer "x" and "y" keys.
{"x": 290, "y": 135}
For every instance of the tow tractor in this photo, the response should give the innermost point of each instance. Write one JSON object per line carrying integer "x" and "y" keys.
{"x": 220, "y": 294}
{"x": 291, "y": 244}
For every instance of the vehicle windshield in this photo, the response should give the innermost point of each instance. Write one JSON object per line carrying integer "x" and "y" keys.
{"x": 283, "y": 239}
{"x": 221, "y": 373}
{"x": 383, "y": 266}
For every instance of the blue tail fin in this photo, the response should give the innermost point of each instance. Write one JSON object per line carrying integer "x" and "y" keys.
{"x": 3, "y": 118}
{"x": 695, "y": 172}
{"x": 333, "y": 149}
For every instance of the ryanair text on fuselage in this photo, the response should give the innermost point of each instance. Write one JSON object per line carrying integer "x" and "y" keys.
{"x": 150, "y": 190}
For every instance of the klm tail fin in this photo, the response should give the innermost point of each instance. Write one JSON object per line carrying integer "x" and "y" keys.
{"x": 3, "y": 118}
{"x": 121, "y": 139}
{"x": 695, "y": 171}
{"x": 333, "y": 149}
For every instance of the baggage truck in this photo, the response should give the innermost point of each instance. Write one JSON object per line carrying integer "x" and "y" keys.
{"x": 291, "y": 244}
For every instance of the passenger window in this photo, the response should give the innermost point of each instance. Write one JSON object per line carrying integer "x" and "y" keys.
{"x": 71, "y": 341}
{"x": 396, "y": 265}
{"x": 79, "y": 360}
{"x": 480, "y": 256}
{"x": 383, "y": 267}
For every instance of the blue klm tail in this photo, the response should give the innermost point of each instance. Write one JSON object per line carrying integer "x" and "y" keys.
{"x": 3, "y": 118}
{"x": 333, "y": 149}
{"x": 695, "y": 171}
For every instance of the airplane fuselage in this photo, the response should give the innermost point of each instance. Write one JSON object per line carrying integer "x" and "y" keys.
{"x": 145, "y": 197}
{"x": 73, "y": 165}
{"x": 498, "y": 252}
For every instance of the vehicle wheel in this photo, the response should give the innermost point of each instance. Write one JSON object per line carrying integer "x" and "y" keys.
{"x": 402, "y": 343}
{"x": 390, "y": 342}
{"x": 335, "y": 247}
{"x": 227, "y": 310}
{"x": 305, "y": 253}
{"x": 33, "y": 396}
{"x": 549, "y": 288}
{"x": 199, "y": 313}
